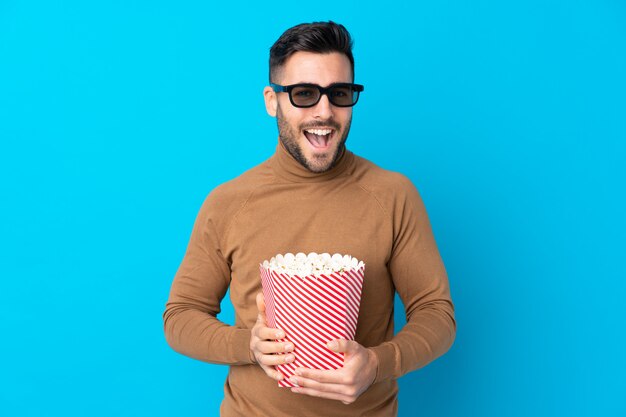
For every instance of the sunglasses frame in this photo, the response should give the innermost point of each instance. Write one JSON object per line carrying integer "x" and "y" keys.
{"x": 323, "y": 90}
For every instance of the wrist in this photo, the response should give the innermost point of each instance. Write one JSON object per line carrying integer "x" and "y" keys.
{"x": 372, "y": 362}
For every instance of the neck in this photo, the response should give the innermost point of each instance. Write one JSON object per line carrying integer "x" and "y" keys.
{"x": 288, "y": 167}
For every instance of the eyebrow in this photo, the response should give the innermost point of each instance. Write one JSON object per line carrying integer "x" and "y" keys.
{"x": 310, "y": 82}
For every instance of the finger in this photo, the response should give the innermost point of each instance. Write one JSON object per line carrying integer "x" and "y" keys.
{"x": 261, "y": 319}
{"x": 342, "y": 345}
{"x": 267, "y": 347}
{"x": 260, "y": 302}
{"x": 318, "y": 386}
{"x": 270, "y": 333}
{"x": 273, "y": 360}
{"x": 327, "y": 377}
{"x": 272, "y": 373}
{"x": 321, "y": 394}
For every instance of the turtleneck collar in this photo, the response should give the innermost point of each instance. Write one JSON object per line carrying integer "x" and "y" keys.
{"x": 287, "y": 167}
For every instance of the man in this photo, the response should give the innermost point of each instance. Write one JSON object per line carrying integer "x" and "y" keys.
{"x": 312, "y": 195}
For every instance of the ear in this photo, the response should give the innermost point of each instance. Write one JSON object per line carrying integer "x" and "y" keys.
{"x": 270, "y": 101}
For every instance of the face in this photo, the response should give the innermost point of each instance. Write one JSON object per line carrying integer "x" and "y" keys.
{"x": 314, "y": 136}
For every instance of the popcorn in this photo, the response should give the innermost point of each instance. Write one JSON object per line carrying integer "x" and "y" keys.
{"x": 312, "y": 264}
{"x": 314, "y": 299}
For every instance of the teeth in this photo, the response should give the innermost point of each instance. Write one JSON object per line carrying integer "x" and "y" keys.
{"x": 319, "y": 132}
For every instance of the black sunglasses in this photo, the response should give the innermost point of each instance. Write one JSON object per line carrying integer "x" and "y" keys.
{"x": 308, "y": 95}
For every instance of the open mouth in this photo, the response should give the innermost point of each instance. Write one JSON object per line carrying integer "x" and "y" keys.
{"x": 319, "y": 138}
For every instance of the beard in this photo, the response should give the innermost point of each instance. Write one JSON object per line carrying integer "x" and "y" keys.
{"x": 288, "y": 137}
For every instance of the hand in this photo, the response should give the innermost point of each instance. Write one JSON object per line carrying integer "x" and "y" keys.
{"x": 265, "y": 351}
{"x": 345, "y": 384}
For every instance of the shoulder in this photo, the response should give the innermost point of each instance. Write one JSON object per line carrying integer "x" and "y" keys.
{"x": 388, "y": 187}
{"x": 223, "y": 202}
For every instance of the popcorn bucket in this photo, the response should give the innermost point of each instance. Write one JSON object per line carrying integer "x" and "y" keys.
{"x": 314, "y": 299}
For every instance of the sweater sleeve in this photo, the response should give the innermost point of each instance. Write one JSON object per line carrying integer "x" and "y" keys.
{"x": 190, "y": 318}
{"x": 421, "y": 282}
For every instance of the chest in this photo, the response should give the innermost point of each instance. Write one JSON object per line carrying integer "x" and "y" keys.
{"x": 342, "y": 219}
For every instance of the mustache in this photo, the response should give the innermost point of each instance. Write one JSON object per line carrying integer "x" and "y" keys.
{"x": 328, "y": 123}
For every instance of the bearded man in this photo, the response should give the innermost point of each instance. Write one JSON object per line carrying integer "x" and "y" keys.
{"x": 312, "y": 195}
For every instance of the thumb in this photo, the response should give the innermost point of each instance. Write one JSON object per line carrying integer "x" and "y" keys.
{"x": 260, "y": 302}
{"x": 341, "y": 345}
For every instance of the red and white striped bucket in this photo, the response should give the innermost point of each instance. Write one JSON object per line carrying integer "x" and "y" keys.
{"x": 312, "y": 311}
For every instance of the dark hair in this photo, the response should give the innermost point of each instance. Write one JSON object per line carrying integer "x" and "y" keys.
{"x": 320, "y": 37}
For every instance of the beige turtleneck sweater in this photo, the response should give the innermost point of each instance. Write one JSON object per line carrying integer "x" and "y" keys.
{"x": 355, "y": 208}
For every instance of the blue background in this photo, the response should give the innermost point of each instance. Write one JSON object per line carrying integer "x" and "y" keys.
{"x": 117, "y": 118}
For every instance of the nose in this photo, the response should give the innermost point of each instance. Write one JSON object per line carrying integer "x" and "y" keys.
{"x": 323, "y": 109}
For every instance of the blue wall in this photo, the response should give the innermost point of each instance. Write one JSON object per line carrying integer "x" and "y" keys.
{"x": 118, "y": 117}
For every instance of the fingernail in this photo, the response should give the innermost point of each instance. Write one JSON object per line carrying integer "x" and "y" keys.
{"x": 332, "y": 344}
{"x": 293, "y": 380}
{"x": 280, "y": 335}
{"x": 288, "y": 347}
{"x": 289, "y": 358}
{"x": 298, "y": 371}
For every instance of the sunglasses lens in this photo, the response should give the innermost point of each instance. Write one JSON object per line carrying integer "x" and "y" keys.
{"x": 343, "y": 96}
{"x": 305, "y": 96}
